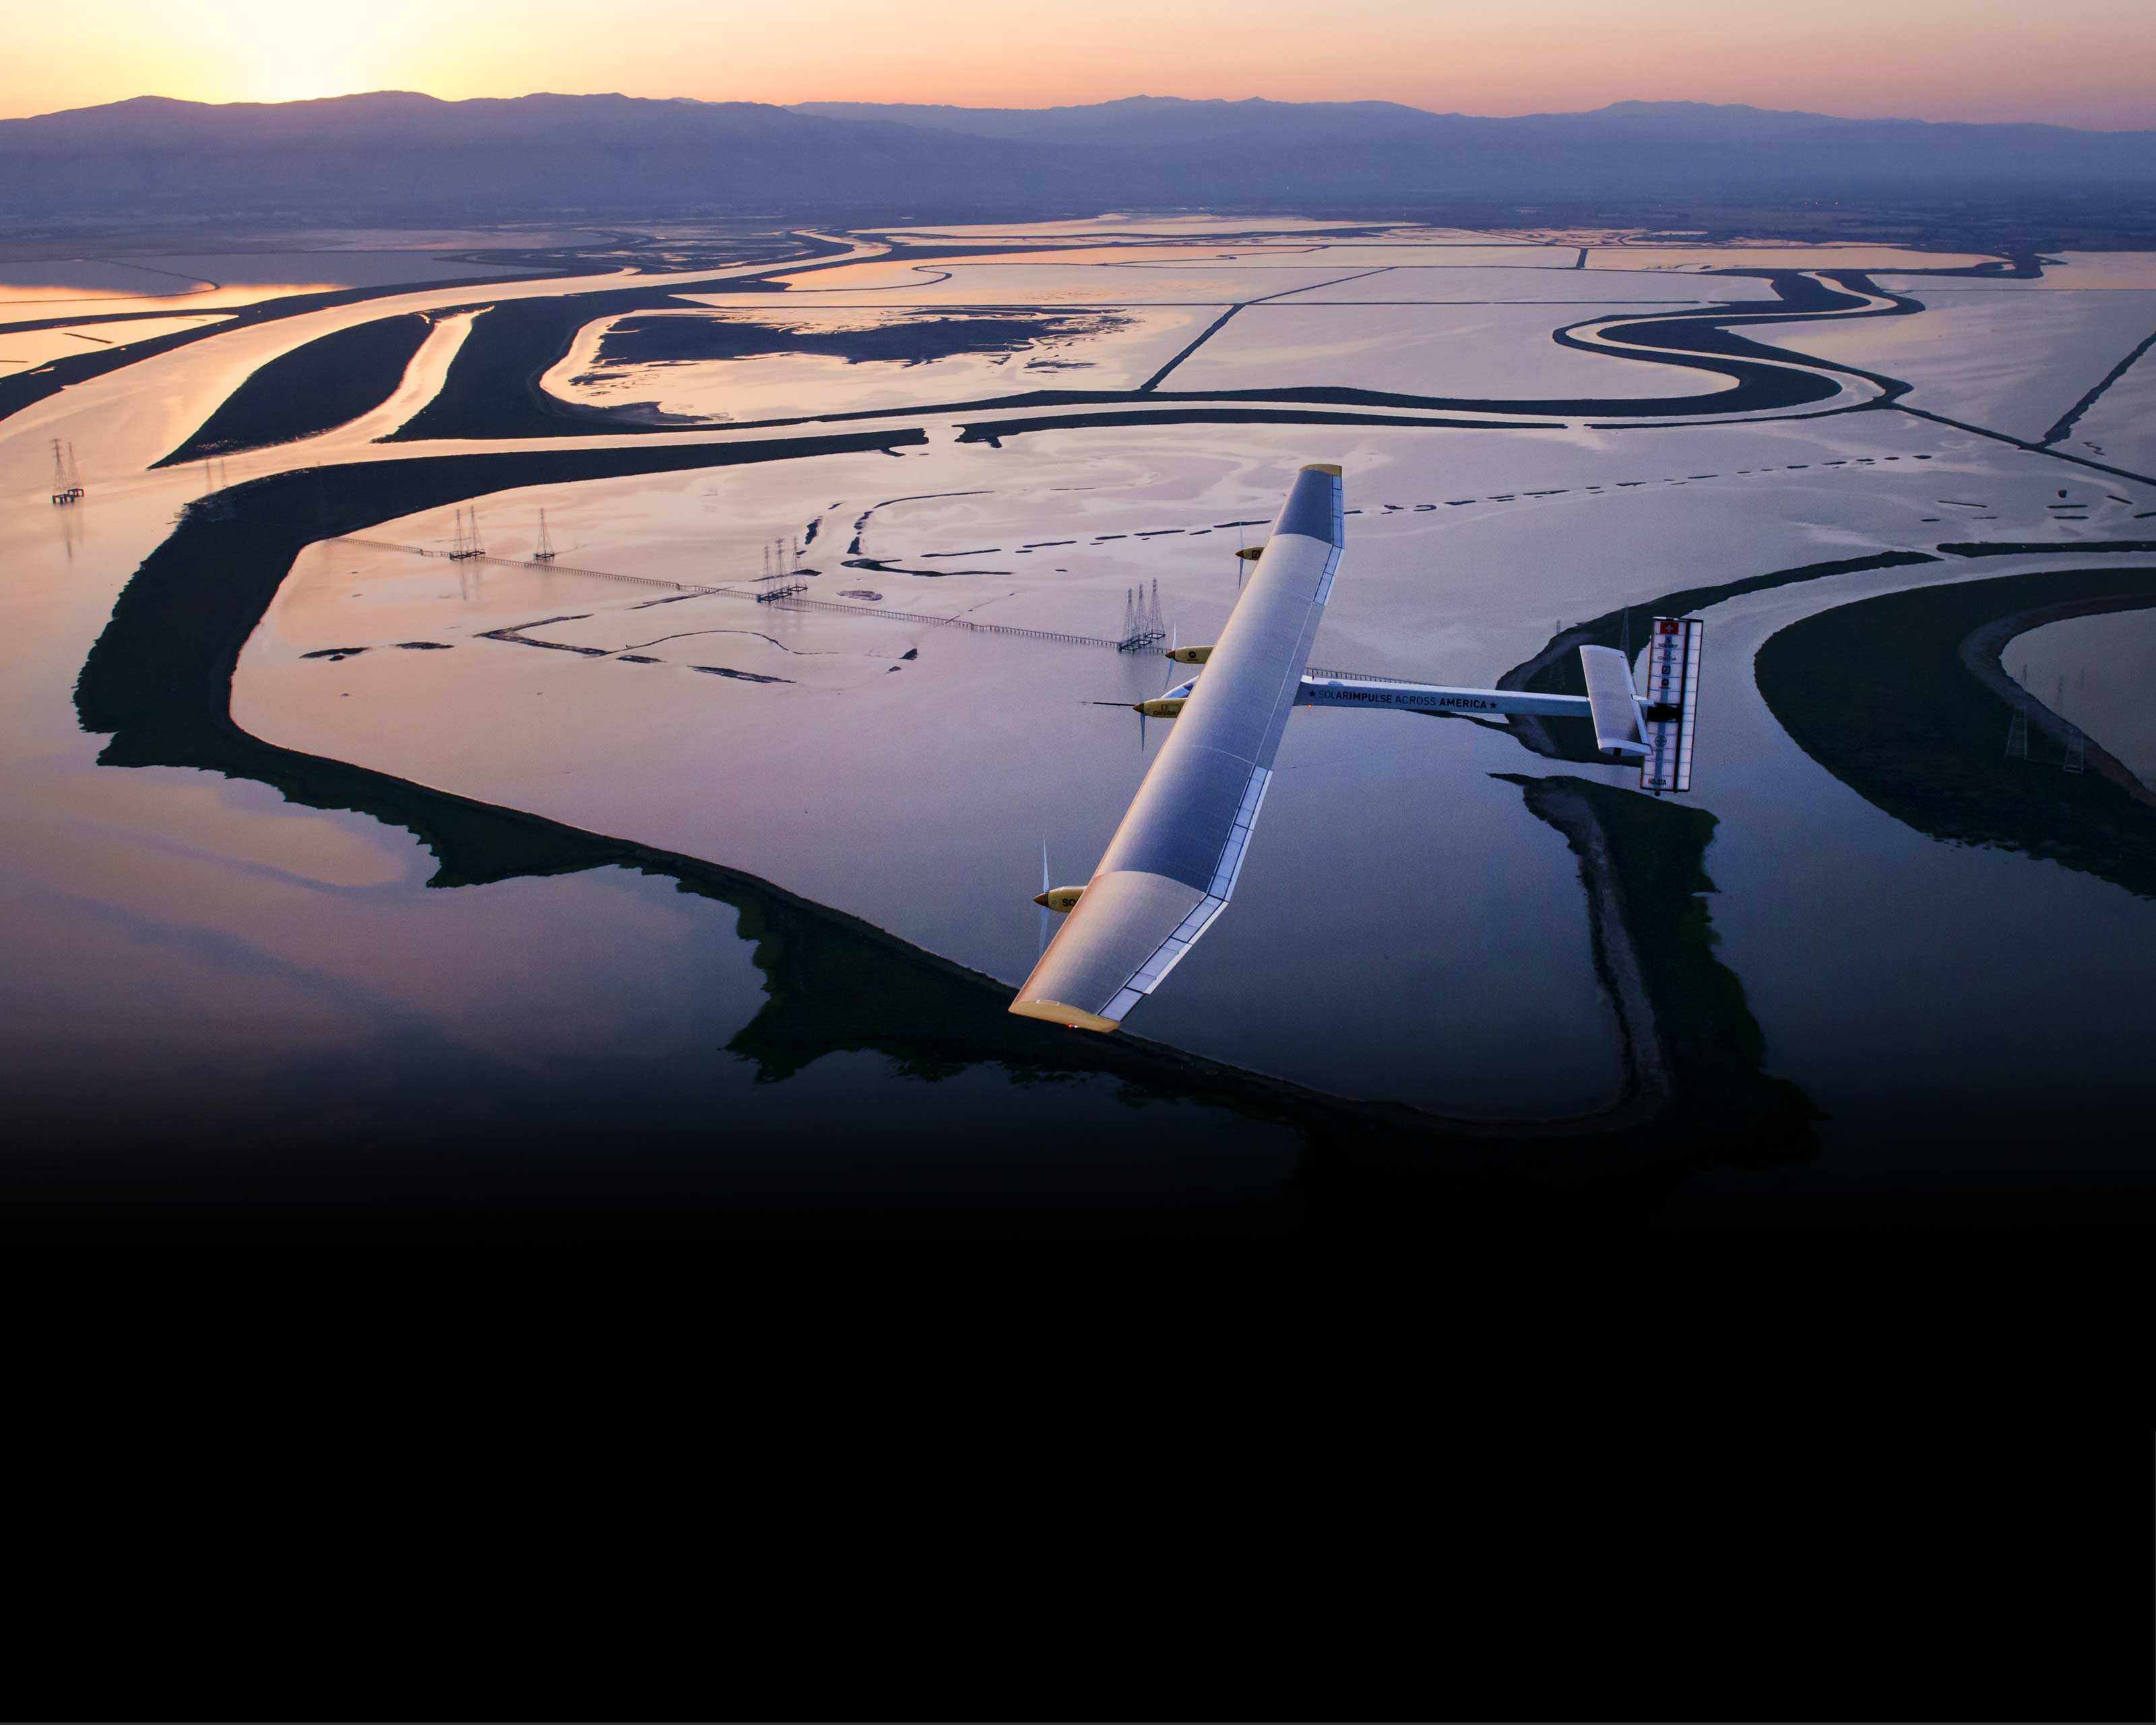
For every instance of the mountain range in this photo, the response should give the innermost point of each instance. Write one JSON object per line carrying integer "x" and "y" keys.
{"x": 396, "y": 155}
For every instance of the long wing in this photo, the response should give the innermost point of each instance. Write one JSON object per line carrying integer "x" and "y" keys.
{"x": 1168, "y": 870}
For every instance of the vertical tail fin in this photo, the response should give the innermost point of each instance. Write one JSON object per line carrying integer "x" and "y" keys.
{"x": 1619, "y": 729}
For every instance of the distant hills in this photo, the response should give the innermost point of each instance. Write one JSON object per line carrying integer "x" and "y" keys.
{"x": 396, "y": 156}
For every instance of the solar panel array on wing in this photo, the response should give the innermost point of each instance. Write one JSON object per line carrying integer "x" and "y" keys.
{"x": 1174, "y": 860}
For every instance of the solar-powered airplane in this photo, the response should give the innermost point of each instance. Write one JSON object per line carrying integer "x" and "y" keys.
{"x": 1172, "y": 863}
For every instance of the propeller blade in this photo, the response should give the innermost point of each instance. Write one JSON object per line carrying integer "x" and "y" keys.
{"x": 1046, "y": 915}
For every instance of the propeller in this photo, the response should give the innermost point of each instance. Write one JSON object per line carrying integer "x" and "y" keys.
{"x": 1046, "y": 887}
{"x": 1164, "y": 688}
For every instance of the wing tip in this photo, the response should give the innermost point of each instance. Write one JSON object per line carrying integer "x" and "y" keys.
{"x": 1331, "y": 467}
{"x": 1035, "y": 1006}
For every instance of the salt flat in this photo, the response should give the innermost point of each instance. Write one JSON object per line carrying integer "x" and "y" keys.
{"x": 2119, "y": 427}
{"x": 2062, "y": 270}
{"x": 1461, "y": 351}
{"x": 1501, "y": 285}
{"x": 2015, "y": 363}
{"x": 1850, "y": 255}
{"x": 1112, "y": 351}
{"x": 1115, "y": 225}
{"x": 958, "y": 281}
{"x": 1351, "y": 254}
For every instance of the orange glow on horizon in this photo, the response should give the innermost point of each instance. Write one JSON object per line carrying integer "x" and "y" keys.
{"x": 2089, "y": 62}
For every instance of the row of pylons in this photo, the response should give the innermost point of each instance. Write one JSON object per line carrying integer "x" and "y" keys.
{"x": 465, "y": 544}
{"x": 781, "y": 559}
{"x": 1143, "y": 626}
{"x": 2073, "y": 745}
{"x": 67, "y": 478}
{"x": 782, "y": 565}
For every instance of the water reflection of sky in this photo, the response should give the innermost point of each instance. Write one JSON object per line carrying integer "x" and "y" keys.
{"x": 2100, "y": 673}
{"x": 47, "y": 288}
{"x": 189, "y": 943}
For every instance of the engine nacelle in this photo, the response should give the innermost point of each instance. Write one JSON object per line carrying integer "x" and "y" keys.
{"x": 1060, "y": 899}
{"x": 1190, "y": 655}
{"x": 1166, "y": 704}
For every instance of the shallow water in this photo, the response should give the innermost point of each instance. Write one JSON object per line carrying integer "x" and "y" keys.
{"x": 2100, "y": 673}
{"x": 202, "y": 280}
{"x": 937, "y": 758}
{"x": 191, "y": 947}
{"x": 1939, "y": 1001}
{"x": 1116, "y": 349}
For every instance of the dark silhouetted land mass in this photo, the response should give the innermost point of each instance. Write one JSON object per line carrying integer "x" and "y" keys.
{"x": 396, "y": 155}
{"x": 911, "y": 341}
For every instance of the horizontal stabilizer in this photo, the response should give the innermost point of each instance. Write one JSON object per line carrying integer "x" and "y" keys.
{"x": 1619, "y": 729}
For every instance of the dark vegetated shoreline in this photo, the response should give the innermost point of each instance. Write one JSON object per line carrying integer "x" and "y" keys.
{"x": 1901, "y": 697}
{"x": 159, "y": 681}
{"x": 327, "y": 382}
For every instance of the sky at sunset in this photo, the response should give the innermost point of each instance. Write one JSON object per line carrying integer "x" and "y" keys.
{"x": 2089, "y": 62}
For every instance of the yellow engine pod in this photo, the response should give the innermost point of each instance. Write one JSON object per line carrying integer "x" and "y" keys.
{"x": 1251, "y": 553}
{"x": 1166, "y": 707}
{"x": 1190, "y": 655}
{"x": 1060, "y": 899}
